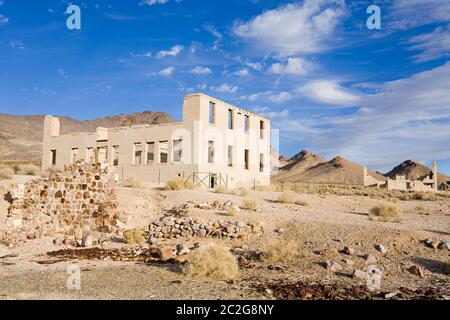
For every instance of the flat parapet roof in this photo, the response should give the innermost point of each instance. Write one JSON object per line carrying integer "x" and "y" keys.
{"x": 226, "y": 103}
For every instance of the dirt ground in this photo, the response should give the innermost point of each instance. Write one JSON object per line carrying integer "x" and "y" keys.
{"x": 325, "y": 223}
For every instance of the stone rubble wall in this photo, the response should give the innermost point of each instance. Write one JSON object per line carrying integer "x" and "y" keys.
{"x": 75, "y": 205}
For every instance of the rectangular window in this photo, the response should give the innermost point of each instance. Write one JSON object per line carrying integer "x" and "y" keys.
{"x": 261, "y": 129}
{"x": 102, "y": 154}
{"x": 90, "y": 155}
{"x": 53, "y": 157}
{"x": 138, "y": 154}
{"x": 210, "y": 151}
{"x": 261, "y": 162}
{"x": 74, "y": 155}
{"x": 230, "y": 119}
{"x": 212, "y": 113}
{"x": 177, "y": 150}
{"x": 115, "y": 156}
{"x": 246, "y": 159}
{"x": 163, "y": 151}
{"x": 247, "y": 123}
{"x": 150, "y": 152}
{"x": 230, "y": 156}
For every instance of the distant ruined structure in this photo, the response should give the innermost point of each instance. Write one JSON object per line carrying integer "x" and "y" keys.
{"x": 400, "y": 182}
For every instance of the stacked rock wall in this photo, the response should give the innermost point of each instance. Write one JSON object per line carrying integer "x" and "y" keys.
{"x": 74, "y": 204}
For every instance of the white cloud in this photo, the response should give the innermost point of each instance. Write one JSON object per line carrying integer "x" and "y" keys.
{"x": 302, "y": 27}
{"x": 3, "y": 20}
{"x": 167, "y": 71}
{"x": 63, "y": 73}
{"x": 202, "y": 86}
{"x": 225, "y": 88}
{"x": 433, "y": 45}
{"x": 254, "y": 65}
{"x": 406, "y": 119}
{"x": 406, "y": 14}
{"x": 293, "y": 66}
{"x": 200, "y": 71}
{"x": 329, "y": 92}
{"x": 17, "y": 45}
{"x": 241, "y": 73}
{"x": 275, "y": 97}
{"x": 213, "y": 30}
{"x": 174, "y": 51}
{"x": 153, "y": 2}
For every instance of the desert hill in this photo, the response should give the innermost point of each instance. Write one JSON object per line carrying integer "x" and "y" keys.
{"x": 414, "y": 170}
{"x": 309, "y": 168}
{"x": 21, "y": 136}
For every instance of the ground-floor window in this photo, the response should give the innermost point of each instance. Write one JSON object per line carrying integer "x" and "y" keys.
{"x": 115, "y": 156}
{"x": 150, "y": 152}
{"x": 163, "y": 151}
{"x": 138, "y": 154}
{"x": 53, "y": 157}
{"x": 90, "y": 154}
{"x": 102, "y": 154}
{"x": 246, "y": 159}
{"x": 261, "y": 162}
{"x": 74, "y": 155}
{"x": 177, "y": 150}
{"x": 230, "y": 156}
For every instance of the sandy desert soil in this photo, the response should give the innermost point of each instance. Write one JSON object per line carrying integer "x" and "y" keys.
{"x": 326, "y": 223}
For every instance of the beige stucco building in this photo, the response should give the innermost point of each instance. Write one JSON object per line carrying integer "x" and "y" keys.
{"x": 215, "y": 144}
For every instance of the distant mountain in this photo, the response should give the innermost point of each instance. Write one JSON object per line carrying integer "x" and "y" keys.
{"x": 307, "y": 167}
{"x": 414, "y": 170}
{"x": 21, "y": 136}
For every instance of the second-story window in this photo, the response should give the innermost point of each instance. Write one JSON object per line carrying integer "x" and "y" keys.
{"x": 261, "y": 129}
{"x": 230, "y": 119}
{"x": 247, "y": 123}
{"x": 212, "y": 113}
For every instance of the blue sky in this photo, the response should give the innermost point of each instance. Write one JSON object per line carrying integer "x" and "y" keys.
{"x": 331, "y": 85}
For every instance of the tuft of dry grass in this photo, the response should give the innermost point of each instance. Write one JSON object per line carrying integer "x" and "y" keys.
{"x": 249, "y": 204}
{"x": 242, "y": 192}
{"x": 133, "y": 182}
{"x": 385, "y": 213}
{"x": 213, "y": 261}
{"x": 232, "y": 211}
{"x": 134, "y": 236}
{"x": 280, "y": 250}
{"x": 178, "y": 184}
{"x": 221, "y": 189}
{"x": 286, "y": 197}
{"x": 28, "y": 170}
{"x": 6, "y": 173}
{"x": 420, "y": 209}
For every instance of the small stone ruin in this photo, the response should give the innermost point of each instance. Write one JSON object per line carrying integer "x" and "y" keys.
{"x": 77, "y": 206}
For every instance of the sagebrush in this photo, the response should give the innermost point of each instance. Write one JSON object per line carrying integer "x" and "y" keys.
{"x": 385, "y": 212}
{"x": 212, "y": 261}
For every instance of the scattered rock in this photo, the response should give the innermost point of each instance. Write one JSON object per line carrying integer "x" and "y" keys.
{"x": 444, "y": 246}
{"x": 332, "y": 266}
{"x": 370, "y": 259}
{"x": 381, "y": 248}
{"x": 416, "y": 270}
{"x": 349, "y": 251}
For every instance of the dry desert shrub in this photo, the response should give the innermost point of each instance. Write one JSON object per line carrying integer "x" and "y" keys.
{"x": 280, "y": 250}
{"x": 28, "y": 170}
{"x": 178, "y": 184}
{"x": 134, "y": 236}
{"x": 6, "y": 173}
{"x": 221, "y": 189}
{"x": 232, "y": 211}
{"x": 242, "y": 192}
{"x": 249, "y": 205}
{"x": 286, "y": 197}
{"x": 266, "y": 188}
{"x": 133, "y": 183}
{"x": 385, "y": 213}
{"x": 420, "y": 208}
{"x": 213, "y": 261}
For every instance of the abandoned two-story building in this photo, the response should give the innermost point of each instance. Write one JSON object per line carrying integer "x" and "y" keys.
{"x": 215, "y": 144}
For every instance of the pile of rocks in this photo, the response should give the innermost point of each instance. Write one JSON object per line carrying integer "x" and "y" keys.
{"x": 186, "y": 209}
{"x": 441, "y": 245}
{"x": 177, "y": 227}
{"x": 77, "y": 205}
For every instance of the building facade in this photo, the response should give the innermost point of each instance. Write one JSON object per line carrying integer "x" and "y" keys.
{"x": 215, "y": 144}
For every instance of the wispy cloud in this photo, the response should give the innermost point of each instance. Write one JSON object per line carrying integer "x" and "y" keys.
{"x": 17, "y": 45}
{"x": 200, "y": 71}
{"x": 433, "y": 45}
{"x": 225, "y": 88}
{"x": 167, "y": 71}
{"x": 293, "y": 66}
{"x": 174, "y": 51}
